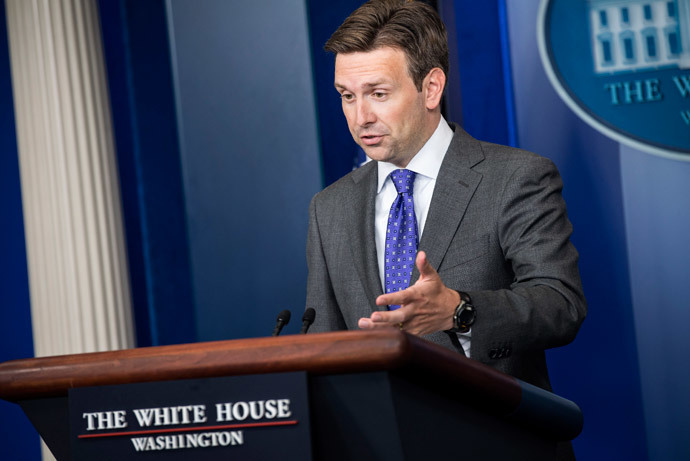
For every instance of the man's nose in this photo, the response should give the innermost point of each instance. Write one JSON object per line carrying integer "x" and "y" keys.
{"x": 365, "y": 115}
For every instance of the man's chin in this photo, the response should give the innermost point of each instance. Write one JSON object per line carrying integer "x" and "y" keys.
{"x": 377, "y": 153}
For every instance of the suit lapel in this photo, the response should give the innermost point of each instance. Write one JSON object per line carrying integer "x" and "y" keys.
{"x": 455, "y": 186}
{"x": 361, "y": 228}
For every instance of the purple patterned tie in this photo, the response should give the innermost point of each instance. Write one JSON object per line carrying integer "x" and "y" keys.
{"x": 401, "y": 234}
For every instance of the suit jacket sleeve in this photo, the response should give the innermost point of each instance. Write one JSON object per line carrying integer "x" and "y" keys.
{"x": 544, "y": 305}
{"x": 320, "y": 294}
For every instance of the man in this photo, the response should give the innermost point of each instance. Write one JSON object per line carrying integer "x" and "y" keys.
{"x": 480, "y": 233}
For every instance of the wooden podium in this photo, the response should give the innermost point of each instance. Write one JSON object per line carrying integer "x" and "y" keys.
{"x": 382, "y": 395}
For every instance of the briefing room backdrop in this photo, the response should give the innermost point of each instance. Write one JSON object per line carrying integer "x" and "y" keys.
{"x": 226, "y": 123}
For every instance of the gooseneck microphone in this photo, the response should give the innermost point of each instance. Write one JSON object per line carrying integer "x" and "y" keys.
{"x": 307, "y": 320}
{"x": 281, "y": 321}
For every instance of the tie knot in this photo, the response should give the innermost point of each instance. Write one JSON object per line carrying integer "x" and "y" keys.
{"x": 403, "y": 180}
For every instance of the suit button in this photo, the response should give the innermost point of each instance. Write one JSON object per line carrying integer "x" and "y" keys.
{"x": 493, "y": 353}
{"x": 509, "y": 351}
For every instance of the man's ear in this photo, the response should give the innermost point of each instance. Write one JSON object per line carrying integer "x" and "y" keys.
{"x": 433, "y": 85}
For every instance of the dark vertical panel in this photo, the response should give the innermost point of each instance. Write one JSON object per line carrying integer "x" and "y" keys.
{"x": 137, "y": 55}
{"x": 452, "y": 101}
{"x": 113, "y": 28}
{"x": 250, "y": 153}
{"x": 477, "y": 29}
{"x": 338, "y": 149}
{"x": 18, "y": 439}
{"x": 508, "y": 92}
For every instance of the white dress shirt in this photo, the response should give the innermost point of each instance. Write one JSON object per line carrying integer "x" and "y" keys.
{"x": 426, "y": 164}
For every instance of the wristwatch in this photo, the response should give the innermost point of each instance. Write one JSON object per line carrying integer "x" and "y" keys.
{"x": 464, "y": 315}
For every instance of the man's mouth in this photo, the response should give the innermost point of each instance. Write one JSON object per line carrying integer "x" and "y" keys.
{"x": 371, "y": 139}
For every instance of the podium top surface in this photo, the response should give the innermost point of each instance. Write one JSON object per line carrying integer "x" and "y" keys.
{"x": 321, "y": 353}
{"x": 317, "y": 354}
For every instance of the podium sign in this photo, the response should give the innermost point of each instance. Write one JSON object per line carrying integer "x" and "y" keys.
{"x": 241, "y": 417}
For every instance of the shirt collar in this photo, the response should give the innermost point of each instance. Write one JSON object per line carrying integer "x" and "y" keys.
{"x": 427, "y": 161}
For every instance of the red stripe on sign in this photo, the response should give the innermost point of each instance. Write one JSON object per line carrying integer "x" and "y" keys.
{"x": 190, "y": 429}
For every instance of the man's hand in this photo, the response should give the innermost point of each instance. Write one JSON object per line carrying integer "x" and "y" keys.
{"x": 426, "y": 307}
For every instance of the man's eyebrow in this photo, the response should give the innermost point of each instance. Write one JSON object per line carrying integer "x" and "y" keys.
{"x": 365, "y": 85}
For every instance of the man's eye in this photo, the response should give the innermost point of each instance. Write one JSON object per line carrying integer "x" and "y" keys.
{"x": 379, "y": 95}
{"x": 346, "y": 97}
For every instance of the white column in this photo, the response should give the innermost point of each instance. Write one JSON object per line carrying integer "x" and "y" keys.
{"x": 80, "y": 298}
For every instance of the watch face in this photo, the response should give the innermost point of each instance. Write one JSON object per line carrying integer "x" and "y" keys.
{"x": 466, "y": 317}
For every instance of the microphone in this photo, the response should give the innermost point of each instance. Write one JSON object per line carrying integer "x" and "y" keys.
{"x": 281, "y": 321}
{"x": 307, "y": 320}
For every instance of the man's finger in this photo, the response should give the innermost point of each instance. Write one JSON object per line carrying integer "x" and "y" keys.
{"x": 425, "y": 268}
{"x": 381, "y": 320}
{"x": 395, "y": 299}
{"x": 395, "y": 316}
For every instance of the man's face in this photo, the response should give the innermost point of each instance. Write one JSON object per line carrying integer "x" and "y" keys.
{"x": 386, "y": 114}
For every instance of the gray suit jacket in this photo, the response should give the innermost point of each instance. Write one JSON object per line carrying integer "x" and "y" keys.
{"x": 496, "y": 228}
